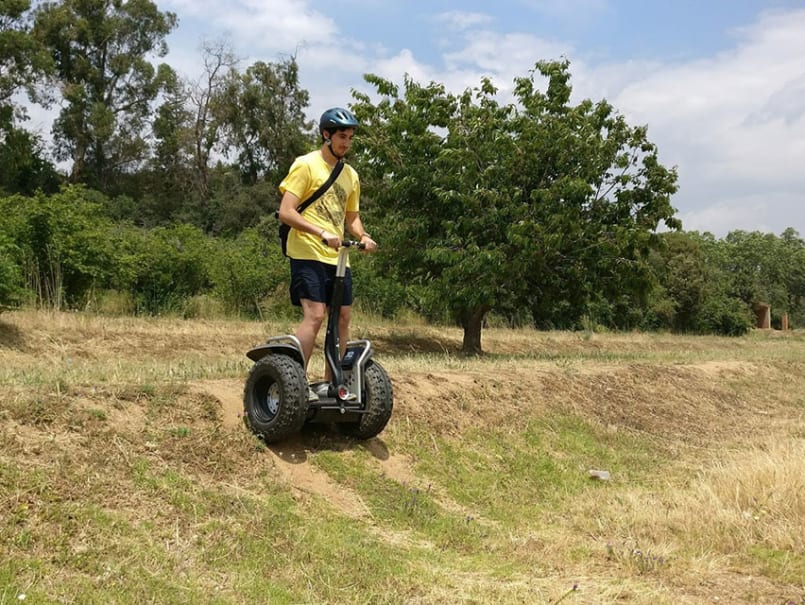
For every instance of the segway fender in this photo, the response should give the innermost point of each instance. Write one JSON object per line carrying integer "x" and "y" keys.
{"x": 281, "y": 348}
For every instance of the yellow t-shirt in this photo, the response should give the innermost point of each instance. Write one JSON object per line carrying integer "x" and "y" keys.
{"x": 307, "y": 174}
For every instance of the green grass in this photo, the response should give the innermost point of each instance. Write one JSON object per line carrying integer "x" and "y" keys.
{"x": 409, "y": 508}
{"x": 785, "y": 565}
{"x": 539, "y": 467}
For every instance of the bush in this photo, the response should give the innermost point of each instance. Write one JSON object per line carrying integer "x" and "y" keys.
{"x": 163, "y": 267}
{"x": 111, "y": 302}
{"x": 725, "y": 316}
{"x": 247, "y": 270}
{"x": 203, "y": 306}
{"x": 10, "y": 277}
{"x": 60, "y": 243}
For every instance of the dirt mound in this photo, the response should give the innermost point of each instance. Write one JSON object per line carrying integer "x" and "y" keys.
{"x": 229, "y": 394}
{"x": 291, "y": 457}
{"x": 668, "y": 403}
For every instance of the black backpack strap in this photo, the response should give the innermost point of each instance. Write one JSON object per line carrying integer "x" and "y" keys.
{"x": 321, "y": 190}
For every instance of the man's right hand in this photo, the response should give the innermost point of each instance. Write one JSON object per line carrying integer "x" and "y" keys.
{"x": 330, "y": 239}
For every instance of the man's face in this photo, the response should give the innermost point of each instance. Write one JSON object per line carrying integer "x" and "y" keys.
{"x": 341, "y": 141}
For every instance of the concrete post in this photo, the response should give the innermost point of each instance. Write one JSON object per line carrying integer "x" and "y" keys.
{"x": 763, "y": 316}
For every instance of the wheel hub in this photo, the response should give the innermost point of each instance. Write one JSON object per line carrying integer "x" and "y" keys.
{"x": 273, "y": 399}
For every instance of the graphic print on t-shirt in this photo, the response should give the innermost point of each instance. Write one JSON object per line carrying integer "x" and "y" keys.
{"x": 332, "y": 205}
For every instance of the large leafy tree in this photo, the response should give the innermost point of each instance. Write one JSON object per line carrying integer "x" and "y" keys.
{"x": 24, "y": 66}
{"x": 102, "y": 51}
{"x": 593, "y": 195}
{"x": 262, "y": 112}
{"x": 539, "y": 204}
{"x": 23, "y": 61}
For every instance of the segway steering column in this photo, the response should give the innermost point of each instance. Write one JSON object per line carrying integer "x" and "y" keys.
{"x": 332, "y": 341}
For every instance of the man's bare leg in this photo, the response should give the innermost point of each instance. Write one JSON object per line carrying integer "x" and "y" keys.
{"x": 312, "y": 318}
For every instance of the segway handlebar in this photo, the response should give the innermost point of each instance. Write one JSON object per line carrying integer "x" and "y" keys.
{"x": 349, "y": 243}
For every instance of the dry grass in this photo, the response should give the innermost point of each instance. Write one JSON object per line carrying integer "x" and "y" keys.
{"x": 126, "y": 476}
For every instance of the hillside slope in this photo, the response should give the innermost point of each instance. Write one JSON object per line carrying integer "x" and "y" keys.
{"x": 126, "y": 475}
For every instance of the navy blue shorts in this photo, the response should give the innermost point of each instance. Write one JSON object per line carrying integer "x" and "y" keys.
{"x": 314, "y": 280}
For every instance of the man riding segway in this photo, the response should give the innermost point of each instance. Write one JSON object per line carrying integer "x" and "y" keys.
{"x": 317, "y": 232}
{"x": 320, "y": 198}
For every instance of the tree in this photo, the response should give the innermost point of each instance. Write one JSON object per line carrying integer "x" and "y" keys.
{"x": 205, "y": 97}
{"x": 685, "y": 278}
{"x": 177, "y": 183}
{"x": 101, "y": 50}
{"x": 594, "y": 194}
{"x": 166, "y": 185}
{"x": 693, "y": 292}
{"x": 766, "y": 268}
{"x": 262, "y": 111}
{"x": 187, "y": 130}
{"x": 793, "y": 274}
{"x": 25, "y": 168}
{"x": 538, "y": 204}
{"x": 24, "y": 65}
{"x": 23, "y": 61}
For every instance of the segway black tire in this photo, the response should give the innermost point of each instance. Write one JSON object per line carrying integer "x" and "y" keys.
{"x": 275, "y": 398}
{"x": 379, "y": 400}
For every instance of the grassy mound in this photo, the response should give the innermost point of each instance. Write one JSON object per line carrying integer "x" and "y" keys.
{"x": 126, "y": 475}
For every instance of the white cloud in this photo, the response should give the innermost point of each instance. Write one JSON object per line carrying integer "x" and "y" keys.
{"x": 734, "y": 125}
{"x": 460, "y": 20}
{"x": 401, "y": 64}
{"x": 786, "y": 104}
{"x": 744, "y": 214}
{"x": 503, "y": 55}
{"x": 260, "y": 26}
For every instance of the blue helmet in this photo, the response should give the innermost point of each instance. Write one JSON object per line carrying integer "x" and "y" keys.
{"x": 337, "y": 118}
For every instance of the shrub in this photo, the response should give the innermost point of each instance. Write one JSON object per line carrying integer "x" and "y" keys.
{"x": 247, "y": 270}
{"x": 726, "y": 316}
{"x": 163, "y": 267}
{"x": 10, "y": 277}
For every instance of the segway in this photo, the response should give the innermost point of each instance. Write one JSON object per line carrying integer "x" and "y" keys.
{"x": 358, "y": 400}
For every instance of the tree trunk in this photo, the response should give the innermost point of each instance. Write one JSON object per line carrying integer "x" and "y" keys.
{"x": 472, "y": 322}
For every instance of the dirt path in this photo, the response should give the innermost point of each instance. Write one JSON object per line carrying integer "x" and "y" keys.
{"x": 290, "y": 457}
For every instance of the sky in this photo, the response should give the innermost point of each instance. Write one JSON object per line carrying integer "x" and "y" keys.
{"x": 719, "y": 83}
